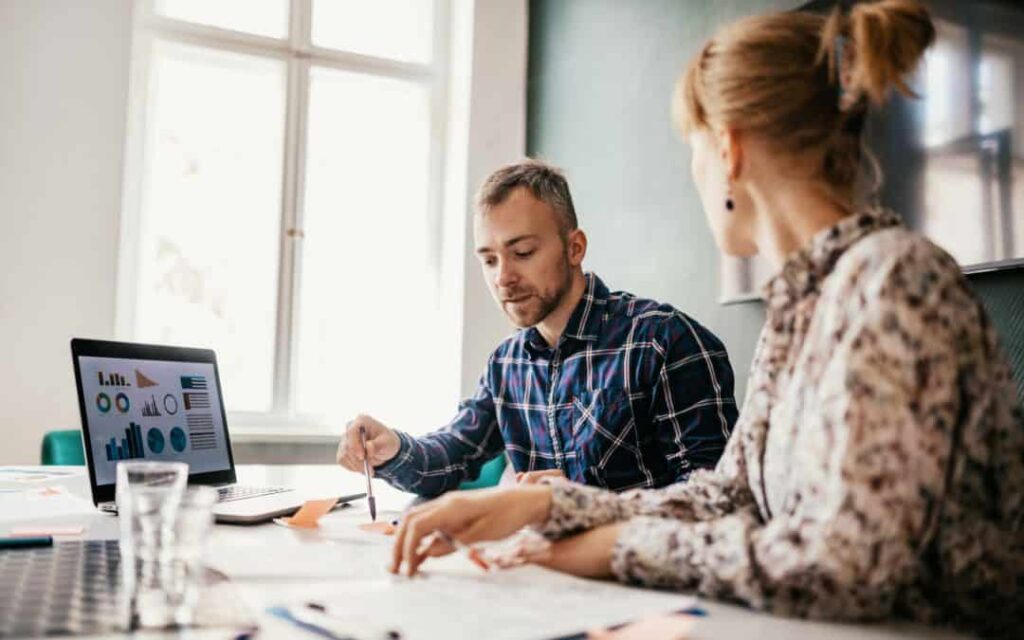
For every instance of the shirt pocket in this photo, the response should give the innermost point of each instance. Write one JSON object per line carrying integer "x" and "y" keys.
{"x": 605, "y": 437}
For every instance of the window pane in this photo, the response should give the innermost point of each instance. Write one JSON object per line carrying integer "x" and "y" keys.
{"x": 368, "y": 321}
{"x": 262, "y": 17}
{"x": 399, "y": 29}
{"x": 210, "y": 220}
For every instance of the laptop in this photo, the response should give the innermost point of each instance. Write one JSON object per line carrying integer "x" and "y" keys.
{"x": 149, "y": 402}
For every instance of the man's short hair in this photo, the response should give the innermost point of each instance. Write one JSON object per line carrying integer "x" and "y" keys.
{"x": 546, "y": 182}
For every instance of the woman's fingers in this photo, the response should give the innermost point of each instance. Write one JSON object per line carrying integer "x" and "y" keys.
{"x": 399, "y": 545}
{"x": 449, "y": 514}
{"x": 409, "y": 533}
{"x": 418, "y": 528}
{"x": 432, "y": 545}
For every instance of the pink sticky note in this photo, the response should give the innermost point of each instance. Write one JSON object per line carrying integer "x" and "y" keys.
{"x": 32, "y": 532}
{"x": 310, "y": 512}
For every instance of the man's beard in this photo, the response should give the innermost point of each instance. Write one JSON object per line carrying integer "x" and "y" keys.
{"x": 540, "y": 303}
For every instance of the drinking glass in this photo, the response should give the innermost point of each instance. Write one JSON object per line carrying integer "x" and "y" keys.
{"x": 191, "y": 528}
{"x": 148, "y": 495}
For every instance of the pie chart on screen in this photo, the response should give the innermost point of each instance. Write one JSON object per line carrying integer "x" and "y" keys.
{"x": 178, "y": 439}
{"x": 155, "y": 440}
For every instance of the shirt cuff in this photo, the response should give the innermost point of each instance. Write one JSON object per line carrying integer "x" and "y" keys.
{"x": 575, "y": 507}
{"x": 388, "y": 470}
{"x": 651, "y": 552}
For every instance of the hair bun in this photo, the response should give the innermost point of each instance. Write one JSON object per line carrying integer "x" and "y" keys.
{"x": 888, "y": 39}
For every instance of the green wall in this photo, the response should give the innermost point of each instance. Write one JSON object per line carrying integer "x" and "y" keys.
{"x": 601, "y": 75}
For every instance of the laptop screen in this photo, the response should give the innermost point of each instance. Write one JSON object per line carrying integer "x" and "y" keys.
{"x": 152, "y": 410}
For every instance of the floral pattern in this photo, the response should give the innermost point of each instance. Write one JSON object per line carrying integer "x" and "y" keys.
{"x": 877, "y": 468}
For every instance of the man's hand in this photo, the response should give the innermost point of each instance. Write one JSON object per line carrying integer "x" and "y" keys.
{"x": 534, "y": 477}
{"x": 467, "y": 516}
{"x": 382, "y": 444}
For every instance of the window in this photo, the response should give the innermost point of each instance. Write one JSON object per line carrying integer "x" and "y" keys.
{"x": 283, "y": 204}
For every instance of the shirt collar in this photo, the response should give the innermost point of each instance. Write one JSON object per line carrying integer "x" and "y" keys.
{"x": 586, "y": 319}
{"x": 803, "y": 271}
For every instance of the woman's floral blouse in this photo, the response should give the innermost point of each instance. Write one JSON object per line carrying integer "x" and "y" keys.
{"x": 878, "y": 464}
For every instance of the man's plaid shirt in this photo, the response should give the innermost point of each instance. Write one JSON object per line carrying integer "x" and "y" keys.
{"x": 635, "y": 394}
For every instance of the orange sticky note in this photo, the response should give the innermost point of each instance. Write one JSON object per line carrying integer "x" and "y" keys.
{"x": 383, "y": 527}
{"x": 310, "y": 512}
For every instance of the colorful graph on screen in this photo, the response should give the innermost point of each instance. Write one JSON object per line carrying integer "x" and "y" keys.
{"x": 178, "y": 439}
{"x": 149, "y": 408}
{"x": 193, "y": 382}
{"x": 130, "y": 447}
{"x": 142, "y": 381}
{"x": 155, "y": 440}
{"x": 112, "y": 380}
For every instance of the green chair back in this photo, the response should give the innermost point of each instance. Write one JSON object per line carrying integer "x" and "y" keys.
{"x": 63, "y": 447}
{"x": 490, "y": 473}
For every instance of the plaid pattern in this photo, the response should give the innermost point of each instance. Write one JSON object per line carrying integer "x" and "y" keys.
{"x": 635, "y": 394}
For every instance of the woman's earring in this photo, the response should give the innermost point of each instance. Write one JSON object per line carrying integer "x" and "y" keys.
{"x": 729, "y": 204}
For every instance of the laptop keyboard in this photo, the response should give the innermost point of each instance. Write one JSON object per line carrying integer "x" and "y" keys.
{"x": 74, "y": 588}
{"x": 239, "y": 492}
{"x": 69, "y": 588}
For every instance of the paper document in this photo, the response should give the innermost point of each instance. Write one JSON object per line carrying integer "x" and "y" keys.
{"x": 303, "y": 561}
{"x": 38, "y": 503}
{"x": 32, "y": 475}
{"x": 454, "y": 599}
{"x": 338, "y": 548}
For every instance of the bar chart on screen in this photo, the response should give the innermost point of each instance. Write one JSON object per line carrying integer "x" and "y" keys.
{"x": 130, "y": 447}
{"x": 150, "y": 409}
{"x": 112, "y": 380}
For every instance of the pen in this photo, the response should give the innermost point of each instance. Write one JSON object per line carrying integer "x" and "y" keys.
{"x": 366, "y": 470}
{"x": 19, "y": 543}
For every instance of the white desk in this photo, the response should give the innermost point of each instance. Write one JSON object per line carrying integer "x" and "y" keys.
{"x": 723, "y": 621}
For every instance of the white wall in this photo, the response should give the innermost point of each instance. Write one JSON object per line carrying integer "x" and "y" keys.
{"x": 64, "y": 79}
{"x": 64, "y": 69}
{"x": 488, "y": 111}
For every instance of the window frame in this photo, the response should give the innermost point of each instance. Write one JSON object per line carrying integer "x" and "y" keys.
{"x": 300, "y": 55}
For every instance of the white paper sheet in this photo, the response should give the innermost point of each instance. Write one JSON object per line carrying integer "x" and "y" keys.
{"x": 302, "y": 561}
{"x": 43, "y": 503}
{"x": 35, "y": 474}
{"x": 456, "y": 600}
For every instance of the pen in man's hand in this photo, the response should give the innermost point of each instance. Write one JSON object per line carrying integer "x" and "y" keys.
{"x": 366, "y": 470}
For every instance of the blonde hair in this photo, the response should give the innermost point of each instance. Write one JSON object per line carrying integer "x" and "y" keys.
{"x": 805, "y": 81}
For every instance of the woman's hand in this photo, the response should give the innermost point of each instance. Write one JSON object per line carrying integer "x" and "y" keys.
{"x": 588, "y": 554}
{"x": 467, "y": 516}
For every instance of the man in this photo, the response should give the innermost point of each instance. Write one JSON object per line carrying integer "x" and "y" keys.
{"x": 604, "y": 388}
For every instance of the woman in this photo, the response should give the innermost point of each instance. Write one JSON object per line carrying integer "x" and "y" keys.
{"x": 878, "y": 465}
